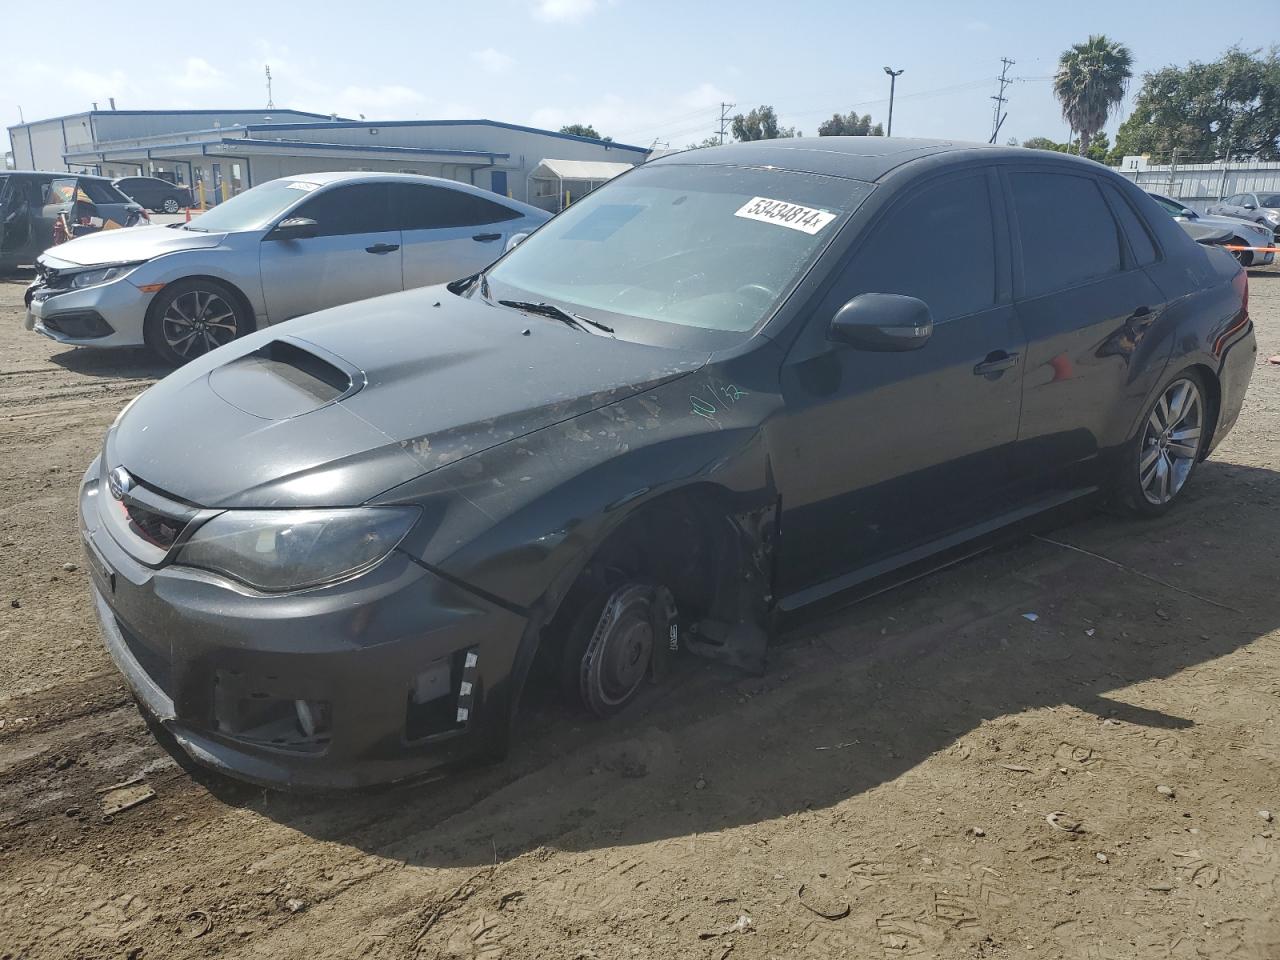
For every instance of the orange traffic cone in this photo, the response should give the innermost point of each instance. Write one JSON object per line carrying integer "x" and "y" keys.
{"x": 188, "y": 214}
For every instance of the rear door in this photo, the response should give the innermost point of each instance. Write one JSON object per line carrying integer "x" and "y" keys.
{"x": 448, "y": 233}
{"x": 354, "y": 255}
{"x": 1086, "y": 304}
{"x": 882, "y": 452}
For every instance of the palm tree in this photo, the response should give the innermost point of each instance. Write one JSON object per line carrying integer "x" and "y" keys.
{"x": 1091, "y": 81}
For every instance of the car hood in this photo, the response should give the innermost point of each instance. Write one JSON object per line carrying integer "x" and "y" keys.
{"x": 127, "y": 245}
{"x": 334, "y": 408}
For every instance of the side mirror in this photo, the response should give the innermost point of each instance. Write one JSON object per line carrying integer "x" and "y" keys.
{"x": 515, "y": 241}
{"x": 294, "y": 228}
{"x": 884, "y": 322}
{"x": 1250, "y": 206}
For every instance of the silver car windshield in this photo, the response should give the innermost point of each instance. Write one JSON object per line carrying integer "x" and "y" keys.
{"x": 254, "y": 209}
{"x": 699, "y": 245}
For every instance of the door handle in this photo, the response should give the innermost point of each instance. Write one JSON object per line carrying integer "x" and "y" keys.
{"x": 382, "y": 248}
{"x": 487, "y": 237}
{"x": 997, "y": 362}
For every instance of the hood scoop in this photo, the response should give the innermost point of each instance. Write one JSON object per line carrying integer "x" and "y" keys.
{"x": 285, "y": 378}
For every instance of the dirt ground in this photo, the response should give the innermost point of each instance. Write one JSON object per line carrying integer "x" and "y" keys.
{"x": 928, "y": 774}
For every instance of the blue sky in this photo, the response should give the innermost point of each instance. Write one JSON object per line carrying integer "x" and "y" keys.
{"x": 639, "y": 71}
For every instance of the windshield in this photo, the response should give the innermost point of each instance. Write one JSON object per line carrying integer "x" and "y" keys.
{"x": 714, "y": 248}
{"x": 1172, "y": 208}
{"x": 1270, "y": 200}
{"x": 254, "y": 209}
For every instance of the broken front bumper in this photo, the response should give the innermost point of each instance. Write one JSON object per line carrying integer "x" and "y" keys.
{"x": 377, "y": 679}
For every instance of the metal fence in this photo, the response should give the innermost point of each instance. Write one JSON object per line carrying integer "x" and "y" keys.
{"x": 1200, "y": 184}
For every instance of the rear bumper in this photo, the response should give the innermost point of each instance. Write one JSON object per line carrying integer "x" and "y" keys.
{"x": 1234, "y": 373}
{"x": 400, "y": 671}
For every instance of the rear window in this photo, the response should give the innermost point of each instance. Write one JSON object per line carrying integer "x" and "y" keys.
{"x": 1068, "y": 235}
{"x": 1135, "y": 230}
{"x": 426, "y": 207}
{"x": 99, "y": 191}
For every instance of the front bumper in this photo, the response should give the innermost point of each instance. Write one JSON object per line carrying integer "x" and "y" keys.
{"x": 399, "y": 670}
{"x": 108, "y": 315}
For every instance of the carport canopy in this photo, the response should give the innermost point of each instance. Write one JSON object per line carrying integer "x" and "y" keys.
{"x": 593, "y": 171}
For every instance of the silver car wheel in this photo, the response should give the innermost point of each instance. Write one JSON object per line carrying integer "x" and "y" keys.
{"x": 197, "y": 322}
{"x": 170, "y": 205}
{"x": 1171, "y": 442}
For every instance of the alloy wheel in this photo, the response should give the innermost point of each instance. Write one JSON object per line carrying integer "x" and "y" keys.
{"x": 170, "y": 205}
{"x": 198, "y": 321}
{"x": 1171, "y": 442}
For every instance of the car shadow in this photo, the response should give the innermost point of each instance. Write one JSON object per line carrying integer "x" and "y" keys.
{"x": 117, "y": 363}
{"x": 857, "y": 698}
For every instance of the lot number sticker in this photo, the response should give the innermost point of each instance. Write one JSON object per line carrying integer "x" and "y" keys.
{"x": 805, "y": 219}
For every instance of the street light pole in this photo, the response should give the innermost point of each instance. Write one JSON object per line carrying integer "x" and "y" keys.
{"x": 893, "y": 80}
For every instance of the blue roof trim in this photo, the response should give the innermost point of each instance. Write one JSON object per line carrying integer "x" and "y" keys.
{"x": 609, "y": 144}
{"x": 319, "y": 144}
{"x": 161, "y": 113}
{"x": 284, "y": 144}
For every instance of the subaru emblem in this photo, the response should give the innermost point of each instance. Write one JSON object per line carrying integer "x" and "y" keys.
{"x": 120, "y": 482}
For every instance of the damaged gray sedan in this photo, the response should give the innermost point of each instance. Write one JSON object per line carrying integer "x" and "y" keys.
{"x": 709, "y": 394}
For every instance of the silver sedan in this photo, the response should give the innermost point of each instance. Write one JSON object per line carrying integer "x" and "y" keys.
{"x": 280, "y": 250}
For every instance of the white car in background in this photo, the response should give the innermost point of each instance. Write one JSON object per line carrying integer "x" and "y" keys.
{"x": 1245, "y": 233}
{"x": 282, "y": 249}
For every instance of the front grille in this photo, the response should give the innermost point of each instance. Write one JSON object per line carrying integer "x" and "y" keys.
{"x": 154, "y": 527}
{"x": 51, "y": 279}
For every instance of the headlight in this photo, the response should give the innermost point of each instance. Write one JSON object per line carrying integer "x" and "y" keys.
{"x": 91, "y": 278}
{"x": 277, "y": 550}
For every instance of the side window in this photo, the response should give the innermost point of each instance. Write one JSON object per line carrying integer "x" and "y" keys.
{"x": 1140, "y": 242}
{"x": 1068, "y": 235}
{"x": 100, "y": 192}
{"x": 59, "y": 191}
{"x": 358, "y": 208}
{"x": 953, "y": 216}
{"x": 426, "y": 207}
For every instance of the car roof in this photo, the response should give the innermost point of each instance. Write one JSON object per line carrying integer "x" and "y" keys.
{"x": 855, "y": 158}
{"x": 55, "y": 175}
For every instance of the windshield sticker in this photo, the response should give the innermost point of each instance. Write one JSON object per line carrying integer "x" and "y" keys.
{"x": 805, "y": 219}
{"x": 301, "y": 185}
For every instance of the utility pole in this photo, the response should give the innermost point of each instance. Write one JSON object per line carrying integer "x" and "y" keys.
{"x": 724, "y": 118}
{"x": 271, "y": 104}
{"x": 998, "y": 115}
{"x": 893, "y": 80}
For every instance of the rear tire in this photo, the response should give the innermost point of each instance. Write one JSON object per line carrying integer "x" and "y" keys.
{"x": 170, "y": 205}
{"x": 1166, "y": 447}
{"x": 1243, "y": 257}
{"x": 189, "y": 318}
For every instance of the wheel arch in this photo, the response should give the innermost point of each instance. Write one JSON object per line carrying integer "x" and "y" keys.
{"x": 241, "y": 298}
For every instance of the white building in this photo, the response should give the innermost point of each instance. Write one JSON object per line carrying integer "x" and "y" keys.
{"x": 222, "y": 152}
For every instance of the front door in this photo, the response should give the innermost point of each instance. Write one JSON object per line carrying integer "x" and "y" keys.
{"x": 881, "y": 452}
{"x": 1086, "y": 303}
{"x": 355, "y": 253}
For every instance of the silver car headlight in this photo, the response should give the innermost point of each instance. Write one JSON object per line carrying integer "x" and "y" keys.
{"x": 91, "y": 278}
{"x": 280, "y": 550}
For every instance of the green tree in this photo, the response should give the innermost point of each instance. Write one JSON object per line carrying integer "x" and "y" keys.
{"x": 760, "y": 124}
{"x": 582, "y": 130}
{"x": 1207, "y": 110}
{"x": 1091, "y": 81}
{"x": 850, "y": 126}
{"x": 1099, "y": 146}
{"x": 711, "y": 141}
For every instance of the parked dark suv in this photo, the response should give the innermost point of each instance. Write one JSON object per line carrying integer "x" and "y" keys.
{"x": 155, "y": 194}
{"x": 32, "y": 201}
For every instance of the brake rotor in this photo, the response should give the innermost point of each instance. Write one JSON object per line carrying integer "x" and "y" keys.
{"x": 621, "y": 649}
